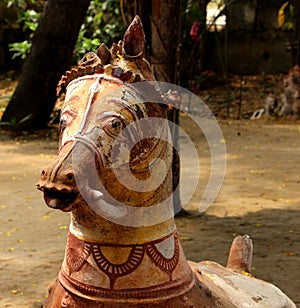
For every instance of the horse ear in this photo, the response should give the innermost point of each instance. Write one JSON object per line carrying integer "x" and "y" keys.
{"x": 134, "y": 40}
{"x": 104, "y": 54}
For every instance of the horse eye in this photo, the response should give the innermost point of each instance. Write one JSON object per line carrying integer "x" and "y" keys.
{"x": 113, "y": 127}
{"x": 116, "y": 124}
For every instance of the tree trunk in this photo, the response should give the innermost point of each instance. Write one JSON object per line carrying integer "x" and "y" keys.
{"x": 164, "y": 28}
{"x": 50, "y": 56}
{"x": 164, "y": 57}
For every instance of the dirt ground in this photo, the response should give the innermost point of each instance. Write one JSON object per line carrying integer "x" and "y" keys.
{"x": 260, "y": 197}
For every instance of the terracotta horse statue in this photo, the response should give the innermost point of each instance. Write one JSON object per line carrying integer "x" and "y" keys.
{"x": 113, "y": 173}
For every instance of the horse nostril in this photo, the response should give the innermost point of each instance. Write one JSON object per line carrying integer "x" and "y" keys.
{"x": 43, "y": 172}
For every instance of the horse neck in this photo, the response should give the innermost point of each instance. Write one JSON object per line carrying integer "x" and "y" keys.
{"x": 89, "y": 226}
{"x": 115, "y": 257}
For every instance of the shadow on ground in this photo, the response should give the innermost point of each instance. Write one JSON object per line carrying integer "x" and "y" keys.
{"x": 276, "y": 256}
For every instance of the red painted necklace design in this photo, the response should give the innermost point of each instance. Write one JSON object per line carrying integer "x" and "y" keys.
{"x": 76, "y": 258}
{"x": 114, "y": 271}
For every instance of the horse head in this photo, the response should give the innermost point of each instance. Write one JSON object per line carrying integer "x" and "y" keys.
{"x": 115, "y": 152}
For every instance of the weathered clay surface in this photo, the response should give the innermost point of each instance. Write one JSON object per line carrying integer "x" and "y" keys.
{"x": 115, "y": 255}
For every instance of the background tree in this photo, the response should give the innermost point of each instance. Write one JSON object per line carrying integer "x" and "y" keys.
{"x": 162, "y": 22}
{"x": 165, "y": 59}
{"x": 162, "y": 25}
{"x": 50, "y": 56}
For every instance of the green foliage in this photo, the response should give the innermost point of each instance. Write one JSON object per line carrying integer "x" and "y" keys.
{"x": 13, "y": 124}
{"x": 28, "y": 19}
{"x": 103, "y": 21}
{"x": 20, "y": 49}
{"x": 18, "y": 3}
{"x": 286, "y": 18}
{"x": 193, "y": 12}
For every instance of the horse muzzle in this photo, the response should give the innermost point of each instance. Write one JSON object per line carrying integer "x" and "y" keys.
{"x": 56, "y": 198}
{"x": 58, "y": 181}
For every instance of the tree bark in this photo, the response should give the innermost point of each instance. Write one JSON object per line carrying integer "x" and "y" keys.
{"x": 165, "y": 19}
{"x": 50, "y": 56}
{"x": 164, "y": 57}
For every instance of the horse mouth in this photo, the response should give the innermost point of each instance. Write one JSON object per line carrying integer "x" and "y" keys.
{"x": 57, "y": 199}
